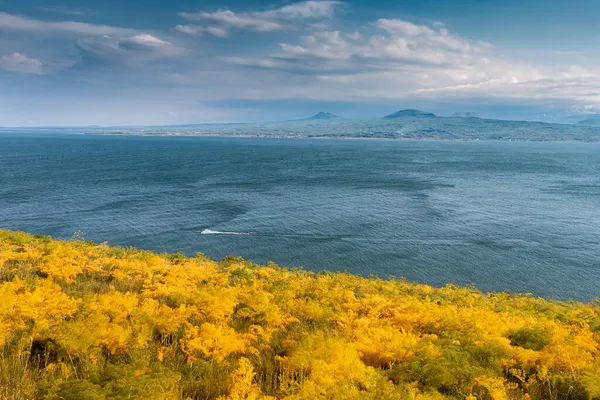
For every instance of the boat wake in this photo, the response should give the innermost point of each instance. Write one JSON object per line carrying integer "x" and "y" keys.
{"x": 211, "y": 232}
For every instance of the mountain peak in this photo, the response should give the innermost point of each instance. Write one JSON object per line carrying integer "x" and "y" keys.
{"x": 324, "y": 115}
{"x": 410, "y": 113}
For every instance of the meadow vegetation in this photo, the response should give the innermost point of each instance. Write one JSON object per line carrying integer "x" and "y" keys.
{"x": 80, "y": 320}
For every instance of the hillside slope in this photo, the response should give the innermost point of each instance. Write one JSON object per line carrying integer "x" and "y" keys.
{"x": 86, "y": 321}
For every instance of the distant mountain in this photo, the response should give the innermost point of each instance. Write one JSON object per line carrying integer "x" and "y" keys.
{"x": 578, "y": 119}
{"x": 410, "y": 113}
{"x": 406, "y": 128}
{"x": 590, "y": 122}
{"x": 465, "y": 114}
{"x": 324, "y": 115}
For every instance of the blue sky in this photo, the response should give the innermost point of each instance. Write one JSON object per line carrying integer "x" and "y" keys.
{"x": 123, "y": 62}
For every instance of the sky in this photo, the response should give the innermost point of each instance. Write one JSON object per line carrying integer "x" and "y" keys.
{"x": 115, "y": 62}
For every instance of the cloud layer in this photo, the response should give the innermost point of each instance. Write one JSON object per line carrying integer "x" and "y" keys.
{"x": 129, "y": 50}
{"x": 15, "y": 22}
{"x": 395, "y": 59}
{"x": 259, "y": 21}
{"x": 307, "y": 50}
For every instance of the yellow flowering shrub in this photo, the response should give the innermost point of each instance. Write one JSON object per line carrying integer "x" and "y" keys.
{"x": 209, "y": 340}
{"x": 83, "y": 320}
{"x": 242, "y": 385}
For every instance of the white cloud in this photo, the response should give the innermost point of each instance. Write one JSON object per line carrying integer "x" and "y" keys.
{"x": 188, "y": 29}
{"x": 403, "y": 28}
{"x": 230, "y": 19}
{"x": 98, "y": 41}
{"x": 322, "y": 45}
{"x": 150, "y": 43}
{"x": 254, "y": 62}
{"x": 129, "y": 50}
{"x": 542, "y": 87}
{"x": 18, "y": 23}
{"x": 423, "y": 35}
{"x": 400, "y": 42}
{"x": 147, "y": 40}
{"x": 200, "y": 30}
{"x": 17, "y": 62}
{"x": 260, "y": 21}
{"x": 354, "y": 35}
{"x": 399, "y": 59}
{"x": 305, "y": 9}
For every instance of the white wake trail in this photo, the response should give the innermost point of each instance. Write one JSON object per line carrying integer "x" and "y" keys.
{"x": 211, "y": 232}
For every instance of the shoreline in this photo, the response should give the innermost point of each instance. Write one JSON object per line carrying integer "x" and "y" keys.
{"x": 432, "y": 139}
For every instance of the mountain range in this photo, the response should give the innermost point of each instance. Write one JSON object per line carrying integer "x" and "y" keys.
{"x": 409, "y": 113}
{"x": 406, "y": 113}
{"x": 590, "y": 122}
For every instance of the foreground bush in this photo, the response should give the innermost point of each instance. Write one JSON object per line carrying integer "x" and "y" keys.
{"x": 86, "y": 321}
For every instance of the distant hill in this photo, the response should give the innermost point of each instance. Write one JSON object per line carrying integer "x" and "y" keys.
{"x": 410, "y": 113}
{"x": 465, "y": 114}
{"x": 403, "y": 125}
{"x": 581, "y": 117}
{"x": 323, "y": 115}
{"x": 590, "y": 122}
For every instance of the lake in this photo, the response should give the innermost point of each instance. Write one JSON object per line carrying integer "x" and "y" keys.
{"x": 505, "y": 216}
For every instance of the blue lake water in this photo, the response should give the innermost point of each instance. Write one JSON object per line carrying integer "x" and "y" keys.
{"x": 506, "y": 216}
